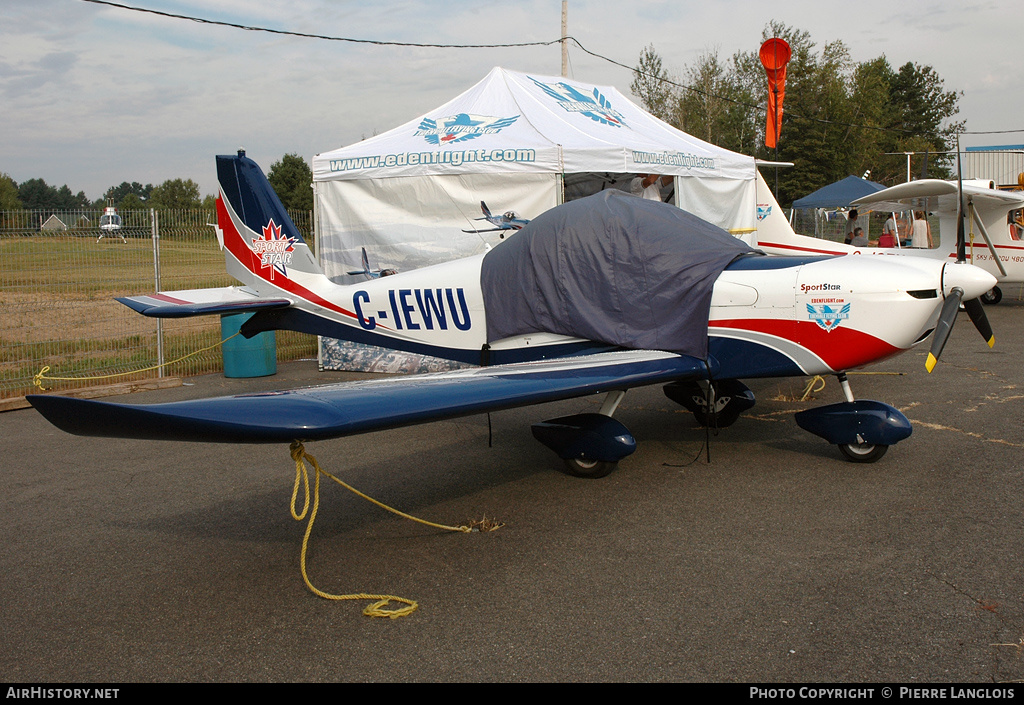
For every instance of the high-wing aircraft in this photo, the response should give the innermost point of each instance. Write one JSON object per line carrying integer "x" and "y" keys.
{"x": 593, "y": 297}
{"x": 994, "y": 236}
{"x": 508, "y": 220}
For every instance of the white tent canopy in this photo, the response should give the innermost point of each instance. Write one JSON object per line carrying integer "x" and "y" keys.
{"x": 520, "y": 123}
{"x": 408, "y": 194}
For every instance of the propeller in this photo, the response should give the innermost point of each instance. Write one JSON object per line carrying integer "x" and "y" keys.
{"x": 955, "y": 297}
{"x": 944, "y": 325}
{"x": 976, "y": 310}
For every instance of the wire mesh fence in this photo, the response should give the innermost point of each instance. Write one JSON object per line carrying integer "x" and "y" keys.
{"x": 59, "y": 277}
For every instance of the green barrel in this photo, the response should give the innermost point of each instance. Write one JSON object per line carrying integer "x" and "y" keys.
{"x": 247, "y": 357}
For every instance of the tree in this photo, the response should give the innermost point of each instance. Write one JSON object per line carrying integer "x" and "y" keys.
{"x": 840, "y": 118}
{"x": 919, "y": 107}
{"x": 131, "y": 202}
{"x": 816, "y": 132}
{"x": 178, "y": 194}
{"x": 118, "y": 193}
{"x": 36, "y": 194}
{"x": 292, "y": 180}
{"x": 715, "y": 106}
{"x": 9, "y": 200}
{"x": 651, "y": 86}
{"x": 68, "y": 201}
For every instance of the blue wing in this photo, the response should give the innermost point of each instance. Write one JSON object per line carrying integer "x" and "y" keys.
{"x": 331, "y": 411}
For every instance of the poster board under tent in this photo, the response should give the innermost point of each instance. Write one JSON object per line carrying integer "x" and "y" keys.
{"x": 413, "y": 196}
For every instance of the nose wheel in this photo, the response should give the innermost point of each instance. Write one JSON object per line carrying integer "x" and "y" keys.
{"x": 992, "y": 296}
{"x": 583, "y": 467}
{"x": 862, "y": 452}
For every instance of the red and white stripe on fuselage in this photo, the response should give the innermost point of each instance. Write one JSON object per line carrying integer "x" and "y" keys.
{"x": 830, "y": 314}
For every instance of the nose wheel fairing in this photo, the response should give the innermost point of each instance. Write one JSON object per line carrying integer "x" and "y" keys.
{"x": 858, "y": 424}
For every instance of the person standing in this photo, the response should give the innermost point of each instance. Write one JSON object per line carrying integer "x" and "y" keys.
{"x": 851, "y": 226}
{"x": 890, "y": 233}
{"x": 647, "y": 186}
{"x": 921, "y": 235}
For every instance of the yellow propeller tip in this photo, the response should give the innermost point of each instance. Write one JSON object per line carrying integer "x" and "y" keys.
{"x": 992, "y": 342}
{"x": 929, "y": 364}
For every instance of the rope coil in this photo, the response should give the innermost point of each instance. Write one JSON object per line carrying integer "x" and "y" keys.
{"x": 377, "y": 609}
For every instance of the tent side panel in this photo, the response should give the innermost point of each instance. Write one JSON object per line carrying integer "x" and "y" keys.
{"x": 409, "y": 223}
{"x": 731, "y": 204}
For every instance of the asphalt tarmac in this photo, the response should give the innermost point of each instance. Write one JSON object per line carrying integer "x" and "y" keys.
{"x": 777, "y": 561}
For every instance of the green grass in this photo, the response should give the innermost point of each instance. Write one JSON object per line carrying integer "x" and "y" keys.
{"x": 87, "y": 268}
{"x": 53, "y": 281}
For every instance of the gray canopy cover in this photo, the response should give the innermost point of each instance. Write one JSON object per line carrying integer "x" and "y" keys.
{"x": 612, "y": 268}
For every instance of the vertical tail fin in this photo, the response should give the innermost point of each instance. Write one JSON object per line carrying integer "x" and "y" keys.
{"x": 261, "y": 243}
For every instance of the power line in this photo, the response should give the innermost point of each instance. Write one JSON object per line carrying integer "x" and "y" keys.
{"x": 378, "y": 42}
{"x": 304, "y": 35}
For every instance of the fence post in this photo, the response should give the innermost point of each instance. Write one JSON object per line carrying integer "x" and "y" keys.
{"x": 154, "y": 220}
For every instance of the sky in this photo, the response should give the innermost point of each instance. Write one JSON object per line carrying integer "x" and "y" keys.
{"x": 92, "y": 95}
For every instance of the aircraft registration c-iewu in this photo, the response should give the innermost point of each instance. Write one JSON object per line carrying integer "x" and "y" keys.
{"x": 753, "y": 316}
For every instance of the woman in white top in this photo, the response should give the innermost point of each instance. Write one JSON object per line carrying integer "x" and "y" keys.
{"x": 922, "y": 233}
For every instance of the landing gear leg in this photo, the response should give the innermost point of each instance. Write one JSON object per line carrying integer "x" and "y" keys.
{"x": 611, "y": 402}
{"x": 844, "y": 382}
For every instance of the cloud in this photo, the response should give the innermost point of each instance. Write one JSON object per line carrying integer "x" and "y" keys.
{"x": 79, "y": 81}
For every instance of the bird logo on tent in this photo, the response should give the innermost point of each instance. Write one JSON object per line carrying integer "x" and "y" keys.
{"x": 595, "y": 107}
{"x": 461, "y": 127}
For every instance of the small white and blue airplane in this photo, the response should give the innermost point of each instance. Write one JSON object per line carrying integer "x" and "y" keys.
{"x": 371, "y": 273}
{"x": 765, "y": 317}
{"x": 509, "y": 220}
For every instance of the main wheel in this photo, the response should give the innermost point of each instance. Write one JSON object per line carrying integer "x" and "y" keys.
{"x": 583, "y": 467}
{"x": 722, "y": 419}
{"x": 992, "y": 296}
{"x": 863, "y": 452}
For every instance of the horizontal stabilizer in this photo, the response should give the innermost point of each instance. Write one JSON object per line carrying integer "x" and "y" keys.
{"x": 200, "y": 302}
{"x": 335, "y": 410}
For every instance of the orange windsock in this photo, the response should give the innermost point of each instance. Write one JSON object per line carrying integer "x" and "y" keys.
{"x": 775, "y": 55}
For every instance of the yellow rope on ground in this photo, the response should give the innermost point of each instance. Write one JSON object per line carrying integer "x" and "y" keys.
{"x": 41, "y": 375}
{"x": 299, "y": 455}
{"x": 811, "y": 388}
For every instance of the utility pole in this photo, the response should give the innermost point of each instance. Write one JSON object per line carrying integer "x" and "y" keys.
{"x": 565, "y": 33}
